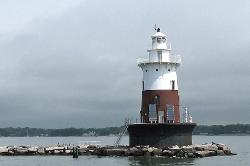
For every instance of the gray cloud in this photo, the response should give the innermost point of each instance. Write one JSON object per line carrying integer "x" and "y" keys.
{"x": 76, "y": 67}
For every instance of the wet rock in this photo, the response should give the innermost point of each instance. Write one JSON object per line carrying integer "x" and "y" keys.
{"x": 174, "y": 149}
{"x": 220, "y": 153}
{"x": 202, "y": 153}
{"x": 224, "y": 148}
{"x": 151, "y": 149}
{"x": 49, "y": 149}
{"x": 56, "y": 152}
{"x": 135, "y": 152}
{"x": 212, "y": 153}
{"x": 191, "y": 155}
{"x": 115, "y": 152}
{"x": 144, "y": 150}
{"x": 188, "y": 149}
{"x": 168, "y": 153}
{"x": 68, "y": 151}
{"x": 209, "y": 147}
{"x": 21, "y": 150}
{"x": 180, "y": 153}
{"x": 4, "y": 150}
{"x": 157, "y": 152}
{"x": 32, "y": 150}
{"x": 41, "y": 150}
{"x": 60, "y": 148}
{"x": 198, "y": 148}
{"x": 126, "y": 152}
{"x": 83, "y": 150}
{"x": 91, "y": 151}
{"x": 227, "y": 152}
{"x": 92, "y": 147}
{"x": 11, "y": 152}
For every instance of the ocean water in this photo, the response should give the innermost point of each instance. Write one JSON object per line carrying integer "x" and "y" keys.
{"x": 238, "y": 144}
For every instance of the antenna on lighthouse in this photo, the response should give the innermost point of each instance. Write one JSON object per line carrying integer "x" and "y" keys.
{"x": 157, "y": 29}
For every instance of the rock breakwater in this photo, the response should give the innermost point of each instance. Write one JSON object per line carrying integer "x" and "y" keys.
{"x": 191, "y": 151}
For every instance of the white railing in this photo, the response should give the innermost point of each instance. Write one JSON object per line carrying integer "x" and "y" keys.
{"x": 170, "y": 59}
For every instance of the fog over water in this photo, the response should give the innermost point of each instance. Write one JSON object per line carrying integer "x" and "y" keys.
{"x": 73, "y": 63}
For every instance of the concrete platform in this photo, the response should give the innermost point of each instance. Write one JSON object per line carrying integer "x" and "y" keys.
{"x": 161, "y": 134}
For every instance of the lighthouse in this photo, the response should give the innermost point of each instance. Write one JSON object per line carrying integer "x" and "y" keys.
{"x": 160, "y": 107}
{"x": 160, "y": 99}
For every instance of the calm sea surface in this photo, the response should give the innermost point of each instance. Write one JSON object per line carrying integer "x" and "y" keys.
{"x": 238, "y": 144}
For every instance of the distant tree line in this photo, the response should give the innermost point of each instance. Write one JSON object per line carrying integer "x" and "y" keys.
{"x": 31, "y": 132}
{"x": 233, "y": 129}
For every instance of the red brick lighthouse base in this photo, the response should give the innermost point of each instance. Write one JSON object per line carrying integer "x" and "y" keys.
{"x": 161, "y": 123}
{"x": 160, "y": 106}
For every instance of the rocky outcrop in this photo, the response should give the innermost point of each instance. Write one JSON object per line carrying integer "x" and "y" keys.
{"x": 191, "y": 151}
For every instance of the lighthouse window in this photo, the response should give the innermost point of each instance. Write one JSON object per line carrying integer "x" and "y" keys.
{"x": 168, "y": 69}
{"x": 173, "y": 84}
{"x": 157, "y": 99}
{"x": 156, "y": 69}
{"x": 146, "y": 70}
{"x": 158, "y": 39}
{"x": 170, "y": 113}
{"x": 164, "y": 39}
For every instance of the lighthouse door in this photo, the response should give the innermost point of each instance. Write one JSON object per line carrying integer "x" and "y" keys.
{"x": 152, "y": 113}
{"x": 161, "y": 116}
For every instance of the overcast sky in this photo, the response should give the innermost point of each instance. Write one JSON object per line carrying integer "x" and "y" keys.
{"x": 73, "y": 63}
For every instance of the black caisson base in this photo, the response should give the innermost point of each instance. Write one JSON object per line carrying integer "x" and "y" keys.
{"x": 159, "y": 135}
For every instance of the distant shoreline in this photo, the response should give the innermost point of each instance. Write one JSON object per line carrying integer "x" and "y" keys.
{"x": 124, "y": 135}
{"x": 127, "y": 135}
{"x": 204, "y": 130}
{"x": 222, "y": 134}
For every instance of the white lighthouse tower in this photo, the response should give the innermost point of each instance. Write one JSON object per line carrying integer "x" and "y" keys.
{"x": 160, "y": 116}
{"x": 160, "y": 99}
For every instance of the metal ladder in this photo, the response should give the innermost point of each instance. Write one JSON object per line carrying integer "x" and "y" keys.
{"x": 124, "y": 129}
